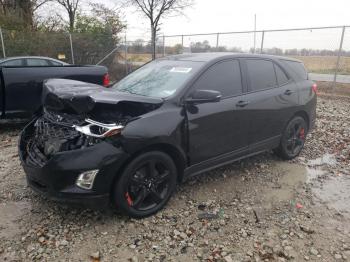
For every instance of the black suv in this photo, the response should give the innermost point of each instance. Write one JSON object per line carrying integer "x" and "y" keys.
{"x": 129, "y": 145}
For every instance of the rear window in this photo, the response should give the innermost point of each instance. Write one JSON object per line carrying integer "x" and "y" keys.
{"x": 297, "y": 68}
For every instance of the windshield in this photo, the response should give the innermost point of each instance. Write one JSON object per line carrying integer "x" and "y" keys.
{"x": 158, "y": 78}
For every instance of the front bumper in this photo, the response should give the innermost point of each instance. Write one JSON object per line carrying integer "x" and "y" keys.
{"x": 57, "y": 177}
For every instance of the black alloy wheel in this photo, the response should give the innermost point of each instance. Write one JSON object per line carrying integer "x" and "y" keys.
{"x": 293, "y": 139}
{"x": 146, "y": 184}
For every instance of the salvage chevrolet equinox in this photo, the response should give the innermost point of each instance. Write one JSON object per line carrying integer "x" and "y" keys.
{"x": 127, "y": 146}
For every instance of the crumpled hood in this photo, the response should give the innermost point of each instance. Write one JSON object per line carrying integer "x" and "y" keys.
{"x": 80, "y": 97}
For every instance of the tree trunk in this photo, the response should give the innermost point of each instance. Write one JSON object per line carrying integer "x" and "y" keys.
{"x": 153, "y": 41}
{"x": 71, "y": 22}
{"x": 27, "y": 12}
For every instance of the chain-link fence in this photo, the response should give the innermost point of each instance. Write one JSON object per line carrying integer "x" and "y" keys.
{"x": 325, "y": 51}
{"x": 118, "y": 55}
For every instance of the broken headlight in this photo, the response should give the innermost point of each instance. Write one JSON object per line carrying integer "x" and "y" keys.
{"x": 99, "y": 130}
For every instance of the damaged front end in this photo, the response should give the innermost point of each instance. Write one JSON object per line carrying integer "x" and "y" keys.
{"x": 51, "y": 134}
{"x": 78, "y": 115}
{"x": 76, "y": 138}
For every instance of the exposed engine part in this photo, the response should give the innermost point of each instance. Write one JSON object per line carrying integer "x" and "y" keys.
{"x": 64, "y": 118}
{"x": 51, "y": 137}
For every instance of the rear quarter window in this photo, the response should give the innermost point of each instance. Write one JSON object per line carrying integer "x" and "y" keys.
{"x": 297, "y": 68}
{"x": 54, "y": 63}
{"x": 281, "y": 76}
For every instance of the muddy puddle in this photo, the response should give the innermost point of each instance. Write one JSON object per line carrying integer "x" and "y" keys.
{"x": 292, "y": 176}
{"x": 330, "y": 189}
{"x": 335, "y": 193}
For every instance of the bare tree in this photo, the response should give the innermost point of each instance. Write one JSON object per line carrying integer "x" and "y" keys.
{"x": 36, "y": 4}
{"x": 71, "y": 6}
{"x": 21, "y": 10}
{"x": 155, "y": 10}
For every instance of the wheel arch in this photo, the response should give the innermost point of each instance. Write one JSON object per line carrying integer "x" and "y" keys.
{"x": 176, "y": 155}
{"x": 304, "y": 115}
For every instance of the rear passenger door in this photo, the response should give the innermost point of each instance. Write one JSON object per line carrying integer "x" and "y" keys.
{"x": 271, "y": 97}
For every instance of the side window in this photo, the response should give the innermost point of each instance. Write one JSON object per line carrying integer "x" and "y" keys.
{"x": 224, "y": 77}
{"x": 261, "y": 74}
{"x": 54, "y": 63}
{"x": 15, "y": 62}
{"x": 281, "y": 76}
{"x": 36, "y": 62}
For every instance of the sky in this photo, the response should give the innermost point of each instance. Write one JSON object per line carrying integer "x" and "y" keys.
{"x": 231, "y": 15}
{"x": 208, "y": 16}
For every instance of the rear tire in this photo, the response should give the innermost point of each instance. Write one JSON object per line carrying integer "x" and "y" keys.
{"x": 293, "y": 139}
{"x": 145, "y": 185}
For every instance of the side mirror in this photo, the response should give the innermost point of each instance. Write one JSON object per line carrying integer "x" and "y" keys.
{"x": 204, "y": 96}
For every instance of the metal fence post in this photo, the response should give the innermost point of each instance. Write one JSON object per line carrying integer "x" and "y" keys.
{"x": 71, "y": 48}
{"x": 338, "y": 58}
{"x": 126, "y": 56}
{"x": 262, "y": 42}
{"x": 182, "y": 43}
{"x": 2, "y": 43}
{"x": 217, "y": 40}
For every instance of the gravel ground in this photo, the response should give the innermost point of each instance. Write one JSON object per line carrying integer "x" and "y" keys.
{"x": 259, "y": 209}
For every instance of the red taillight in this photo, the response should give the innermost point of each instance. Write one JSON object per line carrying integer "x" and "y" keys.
{"x": 106, "y": 80}
{"x": 314, "y": 88}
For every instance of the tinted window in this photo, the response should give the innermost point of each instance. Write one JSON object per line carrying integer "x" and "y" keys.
{"x": 54, "y": 63}
{"x": 298, "y": 68}
{"x": 224, "y": 77}
{"x": 15, "y": 62}
{"x": 281, "y": 76}
{"x": 261, "y": 74}
{"x": 36, "y": 62}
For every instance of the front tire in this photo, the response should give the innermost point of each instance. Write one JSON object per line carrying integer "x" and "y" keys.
{"x": 293, "y": 139}
{"x": 145, "y": 185}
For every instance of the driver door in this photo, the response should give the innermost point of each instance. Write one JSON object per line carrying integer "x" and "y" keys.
{"x": 218, "y": 128}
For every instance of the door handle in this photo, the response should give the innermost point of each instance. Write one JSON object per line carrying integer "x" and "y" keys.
{"x": 242, "y": 103}
{"x": 288, "y": 92}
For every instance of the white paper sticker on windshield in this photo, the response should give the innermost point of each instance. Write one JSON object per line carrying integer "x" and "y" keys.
{"x": 184, "y": 70}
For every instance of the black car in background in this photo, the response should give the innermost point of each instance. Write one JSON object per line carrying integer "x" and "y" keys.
{"x": 175, "y": 117}
{"x": 30, "y": 61}
{"x": 21, "y": 81}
